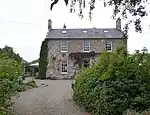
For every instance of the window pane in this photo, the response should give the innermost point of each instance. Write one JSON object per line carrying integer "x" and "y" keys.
{"x": 64, "y": 66}
{"x": 86, "y": 45}
{"x": 108, "y": 45}
{"x": 86, "y": 63}
{"x": 64, "y": 45}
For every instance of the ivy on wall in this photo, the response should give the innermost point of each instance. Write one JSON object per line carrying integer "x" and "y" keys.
{"x": 80, "y": 56}
{"x": 43, "y": 62}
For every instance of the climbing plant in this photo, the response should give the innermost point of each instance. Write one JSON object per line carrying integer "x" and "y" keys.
{"x": 43, "y": 60}
{"x": 80, "y": 55}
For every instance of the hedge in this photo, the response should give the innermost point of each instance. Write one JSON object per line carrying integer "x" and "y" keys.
{"x": 116, "y": 83}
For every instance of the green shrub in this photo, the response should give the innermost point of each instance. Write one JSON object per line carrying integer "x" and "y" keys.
{"x": 31, "y": 83}
{"x": 116, "y": 83}
{"x": 28, "y": 85}
{"x": 131, "y": 112}
{"x": 10, "y": 69}
{"x": 43, "y": 60}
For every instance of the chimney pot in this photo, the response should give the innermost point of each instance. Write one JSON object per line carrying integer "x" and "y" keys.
{"x": 118, "y": 23}
{"x": 64, "y": 27}
{"x": 49, "y": 24}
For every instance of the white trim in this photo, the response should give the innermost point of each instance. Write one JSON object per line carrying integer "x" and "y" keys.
{"x": 64, "y": 73}
{"x": 111, "y": 46}
{"x": 83, "y": 46}
{"x": 66, "y": 68}
{"x": 63, "y": 46}
{"x": 64, "y": 51}
{"x": 86, "y": 51}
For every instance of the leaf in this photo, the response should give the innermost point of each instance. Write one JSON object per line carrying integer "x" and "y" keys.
{"x": 66, "y": 1}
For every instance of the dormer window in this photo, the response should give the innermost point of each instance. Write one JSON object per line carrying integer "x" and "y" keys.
{"x": 64, "y": 32}
{"x": 105, "y": 31}
{"x": 84, "y": 31}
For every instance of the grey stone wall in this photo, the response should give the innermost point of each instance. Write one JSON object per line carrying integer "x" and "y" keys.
{"x": 55, "y": 55}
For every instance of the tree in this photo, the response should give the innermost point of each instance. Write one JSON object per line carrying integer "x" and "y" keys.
{"x": 43, "y": 60}
{"x": 8, "y": 52}
{"x": 136, "y": 8}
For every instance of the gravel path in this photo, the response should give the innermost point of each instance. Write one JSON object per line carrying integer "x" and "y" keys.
{"x": 55, "y": 99}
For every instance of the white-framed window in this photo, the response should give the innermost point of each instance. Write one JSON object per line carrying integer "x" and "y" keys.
{"x": 64, "y": 67}
{"x": 86, "y": 45}
{"x": 108, "y": 46}
{"x": 64, "y": 46}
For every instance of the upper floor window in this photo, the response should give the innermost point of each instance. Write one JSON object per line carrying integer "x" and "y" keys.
{"x": 86, "y": 46}
{"x": 64, "y": 46}
{"x": 108, "y": 46}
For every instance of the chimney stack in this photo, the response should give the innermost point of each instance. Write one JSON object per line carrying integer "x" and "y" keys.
{"x": 118, "y": 24}
{"x": 49, "y": 24}
{"x": 64, "y": 27}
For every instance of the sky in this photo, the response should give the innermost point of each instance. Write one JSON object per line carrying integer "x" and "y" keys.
{"x": 24, "y": 24}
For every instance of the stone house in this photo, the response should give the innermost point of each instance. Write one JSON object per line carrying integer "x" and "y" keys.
{"x": 72, "y": 49}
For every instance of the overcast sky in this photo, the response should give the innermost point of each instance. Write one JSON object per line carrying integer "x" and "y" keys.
{"x": 23, "y": 25}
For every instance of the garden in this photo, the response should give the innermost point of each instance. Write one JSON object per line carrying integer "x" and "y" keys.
{"x": 118, "y": 84}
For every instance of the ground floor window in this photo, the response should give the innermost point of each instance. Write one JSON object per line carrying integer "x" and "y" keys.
{"x": 86, "y": 63}
{"x": 64, "y": 67}
{"x": 108, "y": 46}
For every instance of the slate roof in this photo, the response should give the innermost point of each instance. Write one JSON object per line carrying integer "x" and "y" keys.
{"x": 84, "y": 33}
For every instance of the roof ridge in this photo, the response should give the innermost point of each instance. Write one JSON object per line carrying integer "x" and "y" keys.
{"x": 91, "y": 33}
{"x": 83, "y": 28}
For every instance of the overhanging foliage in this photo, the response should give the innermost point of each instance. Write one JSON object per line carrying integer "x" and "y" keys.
{"x": 136, "y": 9}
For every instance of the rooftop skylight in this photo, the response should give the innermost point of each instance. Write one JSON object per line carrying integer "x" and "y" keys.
{"x": 105, "y": 31}
{"x": 64, "y": 32}
{"x": 84, "y": 31}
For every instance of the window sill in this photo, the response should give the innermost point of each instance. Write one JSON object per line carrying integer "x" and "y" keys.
{"x": 109, "y": 50}
{"x": 86, "y": 51}
{"x": 64, "y": 51}
{"x": 64, "y": 73}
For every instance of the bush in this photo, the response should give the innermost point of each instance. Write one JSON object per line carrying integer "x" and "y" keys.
{"x": 28, "y": 85}
{"x": 43, "y": 60}
{"x": 131, "y": 112}
{"x": 31, "y": 83}
{"x": 116, "y": 83}
{"x": 9, "y": 72}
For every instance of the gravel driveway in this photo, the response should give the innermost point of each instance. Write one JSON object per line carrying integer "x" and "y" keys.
{"x": 55, "y": 99}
